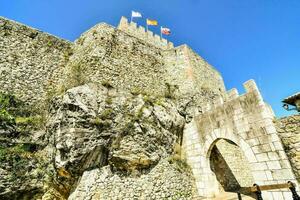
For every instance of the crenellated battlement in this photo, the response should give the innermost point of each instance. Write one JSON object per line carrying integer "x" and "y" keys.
{"x": 148, "y": 36}
{"x": 249, "y": 86}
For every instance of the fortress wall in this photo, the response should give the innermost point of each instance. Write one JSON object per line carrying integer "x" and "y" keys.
{"x": 138, "y": 31}
{"x": 33, "y": 61}
{"x": 247, "y": 121}
{"x": 30, "y": 60}
{"x": 205, "y": 75}
{"x": 289, "y": 132}
{"x": 109, "y": 54}
{"x": 193, "y": 75}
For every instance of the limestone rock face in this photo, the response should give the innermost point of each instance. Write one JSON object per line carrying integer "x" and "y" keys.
{"x": 93, "y": 126}
{"x": 100, "y": 133}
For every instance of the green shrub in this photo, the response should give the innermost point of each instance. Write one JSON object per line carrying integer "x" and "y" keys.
{"x": 7, "y": 103}
{"x": 101, "y": 123}
{"x": 20, "y": 158}
{"x": 129, "y": 126}
{"x": 15, "y": 112}
{"x": 6, "y": 119}
{"x": 137, "y": 91}
{"x": 108, "y": 100}
{"x": 149, "y": 99}
{"x": 176, "y": 159}
{"x": 76, "y": 76}
{"x": 25, "y": 124}
{"x": 107, "y": 114}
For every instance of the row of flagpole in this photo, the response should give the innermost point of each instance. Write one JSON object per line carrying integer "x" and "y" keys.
{"x": 150, "y": 22}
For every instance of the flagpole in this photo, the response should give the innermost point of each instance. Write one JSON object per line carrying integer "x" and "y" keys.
{"x": 147, "y": 26}
{"x": 160, "y": 33}
{"x": 131, "y": 19}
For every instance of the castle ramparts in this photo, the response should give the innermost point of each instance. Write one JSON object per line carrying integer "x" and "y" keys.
{"x": 32, "y": 62}
{"x": 139, "y": 31}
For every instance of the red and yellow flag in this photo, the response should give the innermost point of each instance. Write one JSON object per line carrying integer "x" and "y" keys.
{"x": 151, "y": 22}
{"x": 165, "y": 31}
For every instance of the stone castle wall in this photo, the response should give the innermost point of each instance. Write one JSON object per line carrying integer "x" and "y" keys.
{"x": 30, "y": 61}
{"x": 138, "y": 31}
{"x": 191, "y": 72}
{"x": 247, "y": 121}
{"x": 109, "y": 54}
{"x": 289, "y": 131}
{"x": 126, "y": 57}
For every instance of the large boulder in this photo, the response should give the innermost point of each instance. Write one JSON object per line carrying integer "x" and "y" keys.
{"x": 92, "y": 126}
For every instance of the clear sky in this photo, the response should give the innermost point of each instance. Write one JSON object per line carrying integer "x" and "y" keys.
{"x": 243, "y": 39}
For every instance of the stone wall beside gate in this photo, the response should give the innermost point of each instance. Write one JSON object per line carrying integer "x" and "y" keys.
{"x": 247, "y": 121}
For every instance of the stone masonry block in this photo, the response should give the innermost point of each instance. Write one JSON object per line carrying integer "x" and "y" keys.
{"x": 253, "y": 142}
{"x": 269, "y": 175}
{"x": 282, "y": 155}
{"x": 287, "y": 195}
{"x": 267, "y": 195}
{"x": 264, "y": 139}
{"x": 270, "y": 129}
{"x": 274, "y": 165}
{"x": 250, "y": 86}
{"x": 285, "y": 164}
{"x": 273, "y": 155}
{"x": 274, "y": 137}
{"x": 259, "y": 165}
{"x": 262, "y": 148}
{"x": 283, "y": 174}
{"x": 250, "y": 156}
{"x": 278, "y": 145}
{"x": 232, "y": 94}
{"x": 261, "y": 157}
{"x": 259, "y": 175}
{"x": 278, "y": 195}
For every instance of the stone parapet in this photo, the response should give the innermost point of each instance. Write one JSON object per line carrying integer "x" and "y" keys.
{"x": 148, "y": 36}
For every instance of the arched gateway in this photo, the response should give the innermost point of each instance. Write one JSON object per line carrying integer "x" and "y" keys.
{"x": 247, "y": 122}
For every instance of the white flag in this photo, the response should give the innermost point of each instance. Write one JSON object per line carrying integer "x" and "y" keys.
{"x": 136, "y": 14}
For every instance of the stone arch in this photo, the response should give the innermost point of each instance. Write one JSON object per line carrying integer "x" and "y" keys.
{"x": 230, "y": 167}
{"x": 211, "y": 139}
{"x": 247, "y": 121}
{"x": 214, "y": 178}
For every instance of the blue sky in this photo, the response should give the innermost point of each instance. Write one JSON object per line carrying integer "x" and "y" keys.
{"x": 250, "y": 39}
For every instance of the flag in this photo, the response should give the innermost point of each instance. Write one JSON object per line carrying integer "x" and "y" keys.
{"x": 151, "y": 22}
{"x": 165, "y": 31}
{"x": 135, "y": 14}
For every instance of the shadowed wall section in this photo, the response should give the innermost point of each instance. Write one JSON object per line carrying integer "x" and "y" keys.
{"x": 230, "y": 166}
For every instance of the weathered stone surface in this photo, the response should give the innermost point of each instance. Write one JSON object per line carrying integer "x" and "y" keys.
{"x": 289, "y": 131}
{"x": 164, "y": 181}
{"x": 95, "y": 124}
{"x": 31, "y": 62}
{"x": 34, "y": 62}
{"x": 114, "y": 128}
{"x": 96, "y": 127}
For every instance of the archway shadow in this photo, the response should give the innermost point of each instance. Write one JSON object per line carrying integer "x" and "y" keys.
{"x": 223, "y": 172}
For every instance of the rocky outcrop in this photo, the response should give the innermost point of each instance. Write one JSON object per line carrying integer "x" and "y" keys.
{"x": 289, "y": 131}
{"x": 97, "y": 141}
{"x": 96, "y": 130}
